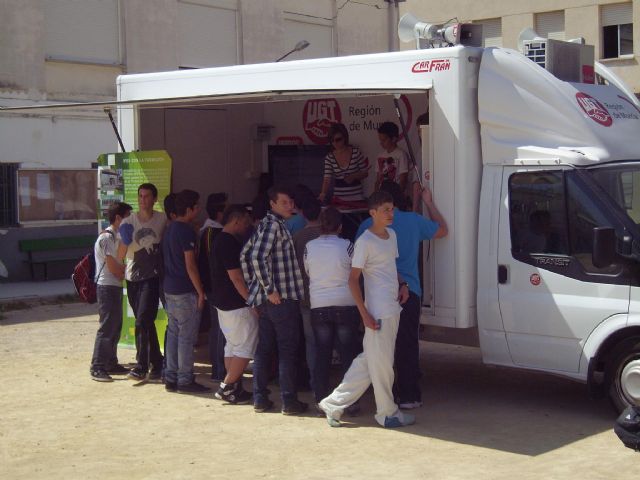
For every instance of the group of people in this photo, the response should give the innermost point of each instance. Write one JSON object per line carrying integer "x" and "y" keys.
{"x": 272, "y": 292}
{"x": 345, "y": 166}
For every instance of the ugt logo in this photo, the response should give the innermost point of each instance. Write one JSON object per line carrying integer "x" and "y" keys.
{"x": 594, "y": 109}
{"x": 317, "y": 117}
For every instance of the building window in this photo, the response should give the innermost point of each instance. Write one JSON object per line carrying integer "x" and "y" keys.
{"x": 491, "y": 32}
{"x": 8, "y": 194}
{"x": 617, "y": 30}
{"x": 550, "y": 25}
{"x": 86, "y": 31}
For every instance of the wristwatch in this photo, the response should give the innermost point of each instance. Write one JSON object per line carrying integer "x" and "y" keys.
{"x": 403, "y": 284}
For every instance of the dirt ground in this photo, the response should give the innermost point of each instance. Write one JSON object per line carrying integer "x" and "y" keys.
{"x": 477, "y": 422}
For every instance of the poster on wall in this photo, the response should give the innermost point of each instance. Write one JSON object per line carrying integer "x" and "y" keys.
{"x": 119, "y": 175}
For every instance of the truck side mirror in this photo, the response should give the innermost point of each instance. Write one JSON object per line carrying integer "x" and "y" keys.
{"x": 604, "y": 246}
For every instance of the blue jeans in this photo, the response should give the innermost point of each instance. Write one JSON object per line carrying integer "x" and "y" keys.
{"x": 110, "y": 311}
{"x": 278, "y": 327}
{"x": 184, "y": 320}
{"x": 339, "y": 326}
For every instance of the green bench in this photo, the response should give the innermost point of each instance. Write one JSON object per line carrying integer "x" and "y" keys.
{"x": 66, "y": 249}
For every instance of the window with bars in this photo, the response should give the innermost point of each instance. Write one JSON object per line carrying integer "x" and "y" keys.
{"x": 617, "y": 30}
{"x": 8, "y": 194}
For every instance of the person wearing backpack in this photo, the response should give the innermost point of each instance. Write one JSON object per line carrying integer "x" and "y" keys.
{"x": 109, "y": 276}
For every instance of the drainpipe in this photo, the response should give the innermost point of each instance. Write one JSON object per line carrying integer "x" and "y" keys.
{"x": 393, "y": 17}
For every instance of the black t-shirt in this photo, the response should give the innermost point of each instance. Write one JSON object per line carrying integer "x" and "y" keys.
{"x": 226, "y": 256}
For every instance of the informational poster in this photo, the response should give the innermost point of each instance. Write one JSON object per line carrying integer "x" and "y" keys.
{"x": 119, "y": 175}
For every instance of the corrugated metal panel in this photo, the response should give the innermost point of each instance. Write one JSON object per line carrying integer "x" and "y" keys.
{"x": 616, "y": 14}
{"x": 85, "y": 31}
{"x": 550, "y": 25}
{"x": 491, "y": 32}
{"x": 207, "y": 36}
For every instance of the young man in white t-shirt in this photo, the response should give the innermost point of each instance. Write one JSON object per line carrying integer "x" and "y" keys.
{"x": 393, "y": 162}
{"x": 374, "y": 257}
{"x": 109, "y": 276}
{"x": 141, "y": 234}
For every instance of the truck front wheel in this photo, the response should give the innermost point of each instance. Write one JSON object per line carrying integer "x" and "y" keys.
{"x": 624, "y": 375}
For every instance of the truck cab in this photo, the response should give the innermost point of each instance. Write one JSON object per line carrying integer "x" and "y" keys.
{"x": 558, "y": 270}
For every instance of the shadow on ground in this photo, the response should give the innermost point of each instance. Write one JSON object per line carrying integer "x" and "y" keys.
{"x": 467, "y": 402}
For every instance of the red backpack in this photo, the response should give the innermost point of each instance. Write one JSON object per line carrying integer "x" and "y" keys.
{"x": 84, "y": 275}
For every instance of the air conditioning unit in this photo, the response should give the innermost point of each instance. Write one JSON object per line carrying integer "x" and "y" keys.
{"x": 568, "y": 61}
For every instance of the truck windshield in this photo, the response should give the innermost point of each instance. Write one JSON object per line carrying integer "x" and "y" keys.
{"x": 622, "y": 183}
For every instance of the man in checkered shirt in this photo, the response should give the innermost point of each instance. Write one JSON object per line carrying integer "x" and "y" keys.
{"x": 274, "y": 279}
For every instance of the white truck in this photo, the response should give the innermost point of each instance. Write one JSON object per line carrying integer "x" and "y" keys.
{"x": 538, "y": 178}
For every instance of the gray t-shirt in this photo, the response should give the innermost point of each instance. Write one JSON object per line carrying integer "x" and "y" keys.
{"x": 106, "y": 245}
{"x": 144, "y": 257}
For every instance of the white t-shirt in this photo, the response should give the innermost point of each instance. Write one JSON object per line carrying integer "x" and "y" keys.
{"x": 106, "y": 244}
{"x": 327, "y": 261}
{"x": 393, "y": 164}
{"x": 377, "y": 259}
{"x": 144, "y": 257}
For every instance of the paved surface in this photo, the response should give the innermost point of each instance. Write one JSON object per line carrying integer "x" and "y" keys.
{"x": 34, "y": 291}
{"x": 477, "y": 422}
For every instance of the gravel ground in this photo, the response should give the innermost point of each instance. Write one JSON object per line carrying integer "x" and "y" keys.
{"x": 477, "y": 422}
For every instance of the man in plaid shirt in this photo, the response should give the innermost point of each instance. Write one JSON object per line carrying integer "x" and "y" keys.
{"x": 274, "y": 279}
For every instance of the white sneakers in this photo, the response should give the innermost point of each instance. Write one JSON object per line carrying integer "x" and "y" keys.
{"x": 410, "y": 405}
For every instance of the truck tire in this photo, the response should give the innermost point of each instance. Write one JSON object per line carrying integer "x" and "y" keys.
{"x": 623, "y": 375}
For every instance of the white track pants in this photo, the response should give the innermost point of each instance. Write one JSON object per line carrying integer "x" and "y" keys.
{"x": 373, "y": 366}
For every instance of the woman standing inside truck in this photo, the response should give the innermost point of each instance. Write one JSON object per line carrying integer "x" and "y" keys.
{"x": 346, "y": 166}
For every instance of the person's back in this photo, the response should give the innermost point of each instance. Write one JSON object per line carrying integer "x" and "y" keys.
{"x": 334, "y": 317}
{"x": 328, "y": 264}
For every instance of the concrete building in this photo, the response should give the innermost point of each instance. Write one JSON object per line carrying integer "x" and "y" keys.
{"x": 65, "y": 51}
{"x": 611, "y": 26}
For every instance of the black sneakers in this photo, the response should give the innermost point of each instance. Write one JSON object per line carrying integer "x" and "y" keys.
{"x": 118, "y": 369}
{"x": 101, "y": 376}
{"x": 137, "y": 374}
{"x": 171, "y": 387}
{"x": 262, "y": 406}
{"x": 193, "y": 387}
{"x": 234, "y": 393}
{"x": 294, "y": 407}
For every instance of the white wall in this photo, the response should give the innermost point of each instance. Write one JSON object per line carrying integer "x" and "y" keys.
{"x": 51, "y": 142}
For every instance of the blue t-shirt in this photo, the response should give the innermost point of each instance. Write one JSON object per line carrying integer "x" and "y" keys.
{"x": 179, "y": 238}
{"x": 295, "y": 223}
{"x": 411, "y": 229}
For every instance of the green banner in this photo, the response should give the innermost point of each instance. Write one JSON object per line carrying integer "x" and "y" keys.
{"x": 119, "y": 175}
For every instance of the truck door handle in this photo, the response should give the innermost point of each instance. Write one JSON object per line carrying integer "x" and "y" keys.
{"x": 503, "y": 274}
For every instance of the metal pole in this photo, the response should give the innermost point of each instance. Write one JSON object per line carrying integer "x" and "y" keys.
{"x": 107, "y": 110}
{"x": 406, "y": 138}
